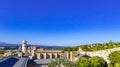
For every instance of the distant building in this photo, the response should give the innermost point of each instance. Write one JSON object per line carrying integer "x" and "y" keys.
{"x": 2, "y": 48}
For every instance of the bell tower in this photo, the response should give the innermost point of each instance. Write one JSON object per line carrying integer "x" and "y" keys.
{"x": 24, "y": 44}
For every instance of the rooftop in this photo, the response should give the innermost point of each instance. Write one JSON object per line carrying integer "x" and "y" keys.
{"x": 8, "y": 61}
{"x": 49, "y": 51}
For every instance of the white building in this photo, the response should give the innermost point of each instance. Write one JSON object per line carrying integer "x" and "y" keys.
{"x": 24, "y": 46}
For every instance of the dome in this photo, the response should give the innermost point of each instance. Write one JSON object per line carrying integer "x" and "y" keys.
{"x": 24, "y": 42}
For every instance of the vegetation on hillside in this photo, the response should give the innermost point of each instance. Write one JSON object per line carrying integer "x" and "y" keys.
{"x": 91, "y": 62}
{"x": 114, "y": 58}
{"x": 94, "y": 47}
{"x": 70, "y": 48}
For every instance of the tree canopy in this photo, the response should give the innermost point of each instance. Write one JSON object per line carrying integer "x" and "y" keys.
{"x": 70, "y": 48}
{"x": 94, "y": 47}
{"x": 91, "y": 62}
{"x": 60, "y": 63}
{"x": 114, "y": 58}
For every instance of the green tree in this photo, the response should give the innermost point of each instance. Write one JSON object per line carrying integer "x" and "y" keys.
{"x": 94, "y": 47}
{"x": 82, "y": 62}
{"x": 2, "y": 51}
{"x": 60, "y": 63}
{"x": 91, "y": 62}
{"x": 97, "y": 62}
{"x": 52, "y": 64}
{"x": 114, "y": 58}
{"x": 117, "y": 65}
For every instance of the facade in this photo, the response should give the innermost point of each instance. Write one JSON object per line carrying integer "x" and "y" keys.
{"x": 40, "y": 53}
{"x": 48, "y": 54}
{"x": 71, "y": 55}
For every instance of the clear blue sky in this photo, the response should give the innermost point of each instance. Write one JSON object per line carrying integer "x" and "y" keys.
{"x": 59, "y": 22}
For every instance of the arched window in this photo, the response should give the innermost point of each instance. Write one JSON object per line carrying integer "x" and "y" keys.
{"x": 58, "y": 56}
{"x": 53, "y": 56}
{"x": 42, "y": 56}
{"x": 47, "y": 56}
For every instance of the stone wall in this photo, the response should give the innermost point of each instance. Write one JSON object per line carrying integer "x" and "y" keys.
{"x": 101, "y": 53}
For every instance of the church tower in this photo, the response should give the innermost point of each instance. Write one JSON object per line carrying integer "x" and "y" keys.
{"x": 24, "y": 47}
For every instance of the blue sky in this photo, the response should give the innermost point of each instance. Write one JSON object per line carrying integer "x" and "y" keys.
{"x": 59, "y": 22}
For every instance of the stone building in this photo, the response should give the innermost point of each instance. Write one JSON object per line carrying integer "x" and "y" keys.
{"x": 71, "y": 55}
{"x": 48, "y": 54}
{"x": 31, "y": 51}
{"x": 40, "y": 53}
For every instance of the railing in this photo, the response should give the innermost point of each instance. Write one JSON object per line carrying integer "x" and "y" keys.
{"x": 22, "y": 62}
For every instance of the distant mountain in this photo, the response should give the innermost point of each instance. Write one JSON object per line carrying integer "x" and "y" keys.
{"x": 40, "y": 46}
{"x": 3, "y": 43}
{"x": 50, "y": 47}
{"x": 7, "y": 44}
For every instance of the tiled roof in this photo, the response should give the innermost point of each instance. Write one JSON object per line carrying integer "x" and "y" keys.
{"x": 4, "y": 59}
{"x": 8, "y": 61}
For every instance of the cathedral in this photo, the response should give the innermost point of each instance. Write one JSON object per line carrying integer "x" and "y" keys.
{"x": 35, "y": 52}
{"x": 40, "y": 53}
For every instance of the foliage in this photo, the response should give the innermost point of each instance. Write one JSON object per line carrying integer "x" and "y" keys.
{"x": 97, "y": 62}
{"x": 114, "y": 58}
{"x": 94, "y": 47}
{"x": 85, "y": 48}
{"x": 117, "y": 65}
{"x": 2, "y": 51}
{"x": 60, "y": 63}
{"x": 91, "y": 62}
{"x": 82, "y": 62}
{"x": 70, "y": 48}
